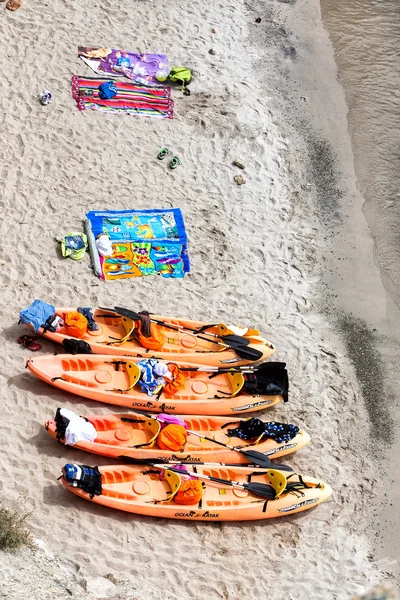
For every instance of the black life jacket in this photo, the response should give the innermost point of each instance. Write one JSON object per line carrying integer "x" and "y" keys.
{"x": 84, "y": 477}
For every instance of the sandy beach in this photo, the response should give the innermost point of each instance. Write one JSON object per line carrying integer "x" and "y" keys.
{"x": 288, "y": 252}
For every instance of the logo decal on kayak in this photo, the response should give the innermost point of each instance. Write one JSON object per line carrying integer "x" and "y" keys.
{"x": 151, "y": 405}
{"x": 246, "y": 406}
{"x": 229, "y": 361}
{"x": 284, "y": 447}
{"x": 194, "y": 514}
{"x": 176, "y": 457}
{"x": 298, "y": 505}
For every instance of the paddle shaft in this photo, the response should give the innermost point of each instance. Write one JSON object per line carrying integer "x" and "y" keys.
{"x": 240, "y": 347}
{"x": 256, "y": 458}
{"x": 260, "y": 489}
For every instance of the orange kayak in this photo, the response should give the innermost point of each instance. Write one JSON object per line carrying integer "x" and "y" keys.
{"x": 114, "y": 380}
{"x": 135, "y": 436}
{"x": 134, "y": 489}
{"x": 179, "y": 345}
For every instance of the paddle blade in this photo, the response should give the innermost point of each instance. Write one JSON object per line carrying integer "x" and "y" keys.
{"x": 259, "y": 459}
{"x": 248, "y": 353}
{"x": 234, "y": 339}
{"x": 129, "y": 314}
{"x": 262, "y": 490}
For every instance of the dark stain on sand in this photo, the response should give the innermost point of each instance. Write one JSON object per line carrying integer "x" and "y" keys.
{"x": 360, "y": 344}
{"x": 322, "y": 163}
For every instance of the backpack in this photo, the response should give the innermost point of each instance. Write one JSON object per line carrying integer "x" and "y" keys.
{"x": 181, "y": 75}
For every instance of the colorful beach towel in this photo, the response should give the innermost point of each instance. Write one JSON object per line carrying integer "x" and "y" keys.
{"x": 144, "y": 242}
{"x": 140, "y": 68}
{"x": 131, "y": 99}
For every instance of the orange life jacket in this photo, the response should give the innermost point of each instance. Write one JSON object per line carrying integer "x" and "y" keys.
{"x": 172, "y": 437}
{"x": 190, "y": 492}
{"x": 75, "y": 324}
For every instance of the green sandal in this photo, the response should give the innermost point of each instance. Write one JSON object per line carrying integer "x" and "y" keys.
{"x": 163, "y": 153}
{"x": 175, "y": 162}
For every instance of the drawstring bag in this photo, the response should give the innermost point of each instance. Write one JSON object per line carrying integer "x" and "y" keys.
{"x": 155, "y": 339}
{"x": 181, "y": 75}
{"x": 178, "y": 380}
{"x": 190, "y": 492}
{"x": 75, "y": 324}
{"x": 172, "y": 437}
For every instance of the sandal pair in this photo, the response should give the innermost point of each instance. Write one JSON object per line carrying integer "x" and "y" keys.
{"x": 28, "y": 341}
{"x": 175, "y": 160}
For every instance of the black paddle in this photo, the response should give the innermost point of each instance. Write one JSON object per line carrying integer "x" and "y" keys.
{"x": 262, "y": 490}
{"x": 256, "y": 458}
{"x": 238, "y": 339}
{"x": 238, "y": 343}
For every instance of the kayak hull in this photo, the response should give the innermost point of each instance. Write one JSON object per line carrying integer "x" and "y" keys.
{"x": 96, "y": 377}
{"x": 130, "y": 489}
{"x": 180, "y": 345}
{"x": 116, "y": 437}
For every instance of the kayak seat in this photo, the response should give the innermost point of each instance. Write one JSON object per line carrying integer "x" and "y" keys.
{"x": 134, "y": 375}
{"x": 236, "y": 380}
{"x": 129, "y": 328}
{"x": 278, "y": 481}
{"x": 154, "y": 427}
{"x": 174, "y": 481}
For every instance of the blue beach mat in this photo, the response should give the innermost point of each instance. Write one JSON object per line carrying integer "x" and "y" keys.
{"x": 145, "y": 242}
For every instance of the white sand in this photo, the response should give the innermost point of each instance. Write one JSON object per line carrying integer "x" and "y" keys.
{"x": 256, "y": 258}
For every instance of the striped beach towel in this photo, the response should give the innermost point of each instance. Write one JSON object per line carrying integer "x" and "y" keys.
{"x": 131, "y": 99}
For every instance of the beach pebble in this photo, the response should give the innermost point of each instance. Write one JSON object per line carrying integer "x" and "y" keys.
{"x": 99, "y": 586}
{"x": 239, "y": 163}
{"x": 239, "y": 179}
{"x": 258, "y": 20}
{"x": 213, "y": 30}
{"x": 211, "y": 51}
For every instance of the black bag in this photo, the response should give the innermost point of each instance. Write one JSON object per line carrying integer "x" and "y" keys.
{"x": 73, "y": 346}
{"x": 271, "y": 379}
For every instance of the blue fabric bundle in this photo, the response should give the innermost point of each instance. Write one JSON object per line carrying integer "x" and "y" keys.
{"x": 107, "y": 90}
{"x": 37, "y": 314}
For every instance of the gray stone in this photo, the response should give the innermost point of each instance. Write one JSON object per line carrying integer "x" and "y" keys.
{"x": 100, "y": 587}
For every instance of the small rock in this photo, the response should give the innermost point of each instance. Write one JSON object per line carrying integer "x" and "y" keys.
{"x": 258, "y": 20}
{"x": 99, "y": 586}
{"x": 211, "y": 51}
{"x": 213, "y": 30}
{"x": 239, "y": 179}
{"x": 238, "y": 163}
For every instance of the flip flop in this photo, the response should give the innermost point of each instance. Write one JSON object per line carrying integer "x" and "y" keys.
{"x": 31, "y": 345}
{"x": 24, "y": 338}
{"x": 175, "y": 162}
{"x": 163, "y": 153}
